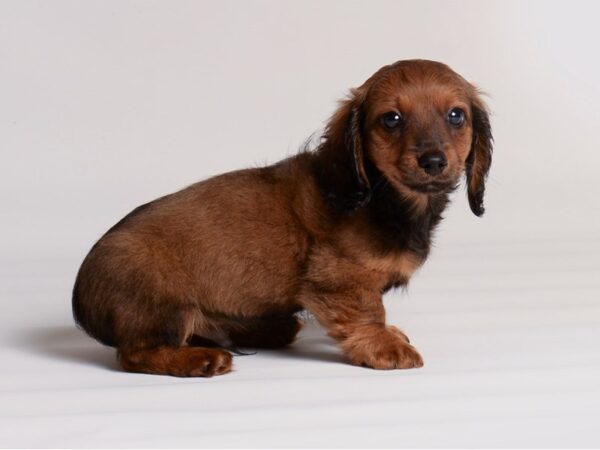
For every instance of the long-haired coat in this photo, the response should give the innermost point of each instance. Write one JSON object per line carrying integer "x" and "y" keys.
{"x": 231, "y": 260}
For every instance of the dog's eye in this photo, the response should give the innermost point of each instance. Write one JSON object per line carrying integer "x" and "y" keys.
{"x": 391, "y": 120}
{"x": 456, "y": 117}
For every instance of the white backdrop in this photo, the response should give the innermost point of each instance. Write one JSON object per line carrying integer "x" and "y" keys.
{"x": 105, "y": 105}
{"x": 108, "y": 104}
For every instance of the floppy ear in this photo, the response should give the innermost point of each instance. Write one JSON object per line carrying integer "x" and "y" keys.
{"x": 341, "y": 168}
{"x": 480, "y": 159}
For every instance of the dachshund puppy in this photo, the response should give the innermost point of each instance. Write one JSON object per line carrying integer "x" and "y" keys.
{"x": 231, "y": 260}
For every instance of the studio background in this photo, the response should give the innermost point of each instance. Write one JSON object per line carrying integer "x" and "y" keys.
{"x": 105, "y": 105}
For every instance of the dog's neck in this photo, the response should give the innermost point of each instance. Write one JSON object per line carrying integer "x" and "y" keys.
{"x": 402, "y": 223}
{"x": 404, "y": 220}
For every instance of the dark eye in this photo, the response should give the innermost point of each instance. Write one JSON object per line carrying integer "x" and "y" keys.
{"x": 456, "y": 117}
{"x": 391, "y": 120}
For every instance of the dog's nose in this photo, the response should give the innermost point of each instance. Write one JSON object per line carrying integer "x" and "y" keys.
{"x": 433, "y": 163}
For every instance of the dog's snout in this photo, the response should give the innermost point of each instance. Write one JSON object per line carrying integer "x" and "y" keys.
{"x": 430, "y": 144}
{"x": 433, "y": 162}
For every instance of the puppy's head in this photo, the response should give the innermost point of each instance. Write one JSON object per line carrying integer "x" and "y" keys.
{"x": 420, "y": 125}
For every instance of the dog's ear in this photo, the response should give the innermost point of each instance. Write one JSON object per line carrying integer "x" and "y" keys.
{"x": 342, "y": 166}
{"x": 480, "y": 158}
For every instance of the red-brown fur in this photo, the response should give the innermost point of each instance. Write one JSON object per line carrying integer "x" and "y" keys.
{"x": 234, "y": 258}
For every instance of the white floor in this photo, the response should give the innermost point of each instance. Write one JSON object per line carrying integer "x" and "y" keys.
{"x": 510, "y": 334}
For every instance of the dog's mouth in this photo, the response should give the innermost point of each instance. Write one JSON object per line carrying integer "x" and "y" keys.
{"x": 432, "y": 187}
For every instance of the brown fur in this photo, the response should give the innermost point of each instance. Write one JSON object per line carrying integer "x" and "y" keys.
{"x": 232, "y": 259}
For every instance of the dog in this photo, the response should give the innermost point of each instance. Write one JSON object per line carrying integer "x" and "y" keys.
{"x": 230, "y": 261}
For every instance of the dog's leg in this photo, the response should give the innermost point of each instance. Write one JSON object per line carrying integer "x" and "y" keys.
{"x": 167, "y": 347}
{"x": 356, "y": 318}
{"x": 132, "y": 293}
{"x": 177, "y": 361}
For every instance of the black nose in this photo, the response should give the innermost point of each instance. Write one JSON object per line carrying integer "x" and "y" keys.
{"x": 433, "y": 163}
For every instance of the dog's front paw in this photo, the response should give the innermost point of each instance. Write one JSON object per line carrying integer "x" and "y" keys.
{"x": 397, "y": 331}
{"x": 382, "y": 348}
